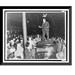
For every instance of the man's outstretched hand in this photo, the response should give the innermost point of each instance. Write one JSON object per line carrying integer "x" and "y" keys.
{"x": 39, "y": 27}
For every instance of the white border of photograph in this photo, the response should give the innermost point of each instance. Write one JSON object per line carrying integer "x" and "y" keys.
{"x": 34, "y": 11}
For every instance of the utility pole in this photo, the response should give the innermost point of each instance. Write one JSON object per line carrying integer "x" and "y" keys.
{"x": 24, "y": 31}
{"x": 24, "y": 27}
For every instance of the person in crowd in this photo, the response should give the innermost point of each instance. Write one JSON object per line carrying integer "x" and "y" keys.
{"x": 10, "y": 50}
{"x": 19, "y": 51}
{"x": 61, "y": 51}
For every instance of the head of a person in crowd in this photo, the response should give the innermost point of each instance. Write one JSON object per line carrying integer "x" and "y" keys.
{"x": 30, "y": 38}
{"x": 27, "y": 44}
{"x": 14, "y": 35}
{"x": 37, "y": 35}
{"x": 53, "y": 38}
{"x": 17, "y": 40}
{"x": 13, "y": 39}
{"x": 21, "y": 41}
{"x": 58, "y": 39}
{"x": 9, "y": 36}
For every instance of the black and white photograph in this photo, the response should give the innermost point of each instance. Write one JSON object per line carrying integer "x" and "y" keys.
{"x": 37, "y": 36}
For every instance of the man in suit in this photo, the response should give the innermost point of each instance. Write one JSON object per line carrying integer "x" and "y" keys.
{"x": 45, "y": 29}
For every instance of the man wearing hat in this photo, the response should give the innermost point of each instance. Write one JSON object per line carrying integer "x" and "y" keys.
{"x": 45, "y": 29}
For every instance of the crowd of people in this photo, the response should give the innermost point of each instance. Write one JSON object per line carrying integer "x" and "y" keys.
{"x": 15, "y": 46}
{"x": 18, "y": 50}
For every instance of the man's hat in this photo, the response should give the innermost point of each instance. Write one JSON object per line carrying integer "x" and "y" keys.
{"x": 44, "y": 15}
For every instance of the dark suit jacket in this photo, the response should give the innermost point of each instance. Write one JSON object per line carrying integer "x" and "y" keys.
{"x": 45, "y": 26}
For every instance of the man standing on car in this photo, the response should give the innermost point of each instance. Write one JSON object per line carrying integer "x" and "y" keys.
{"x": 45, "y": 29}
